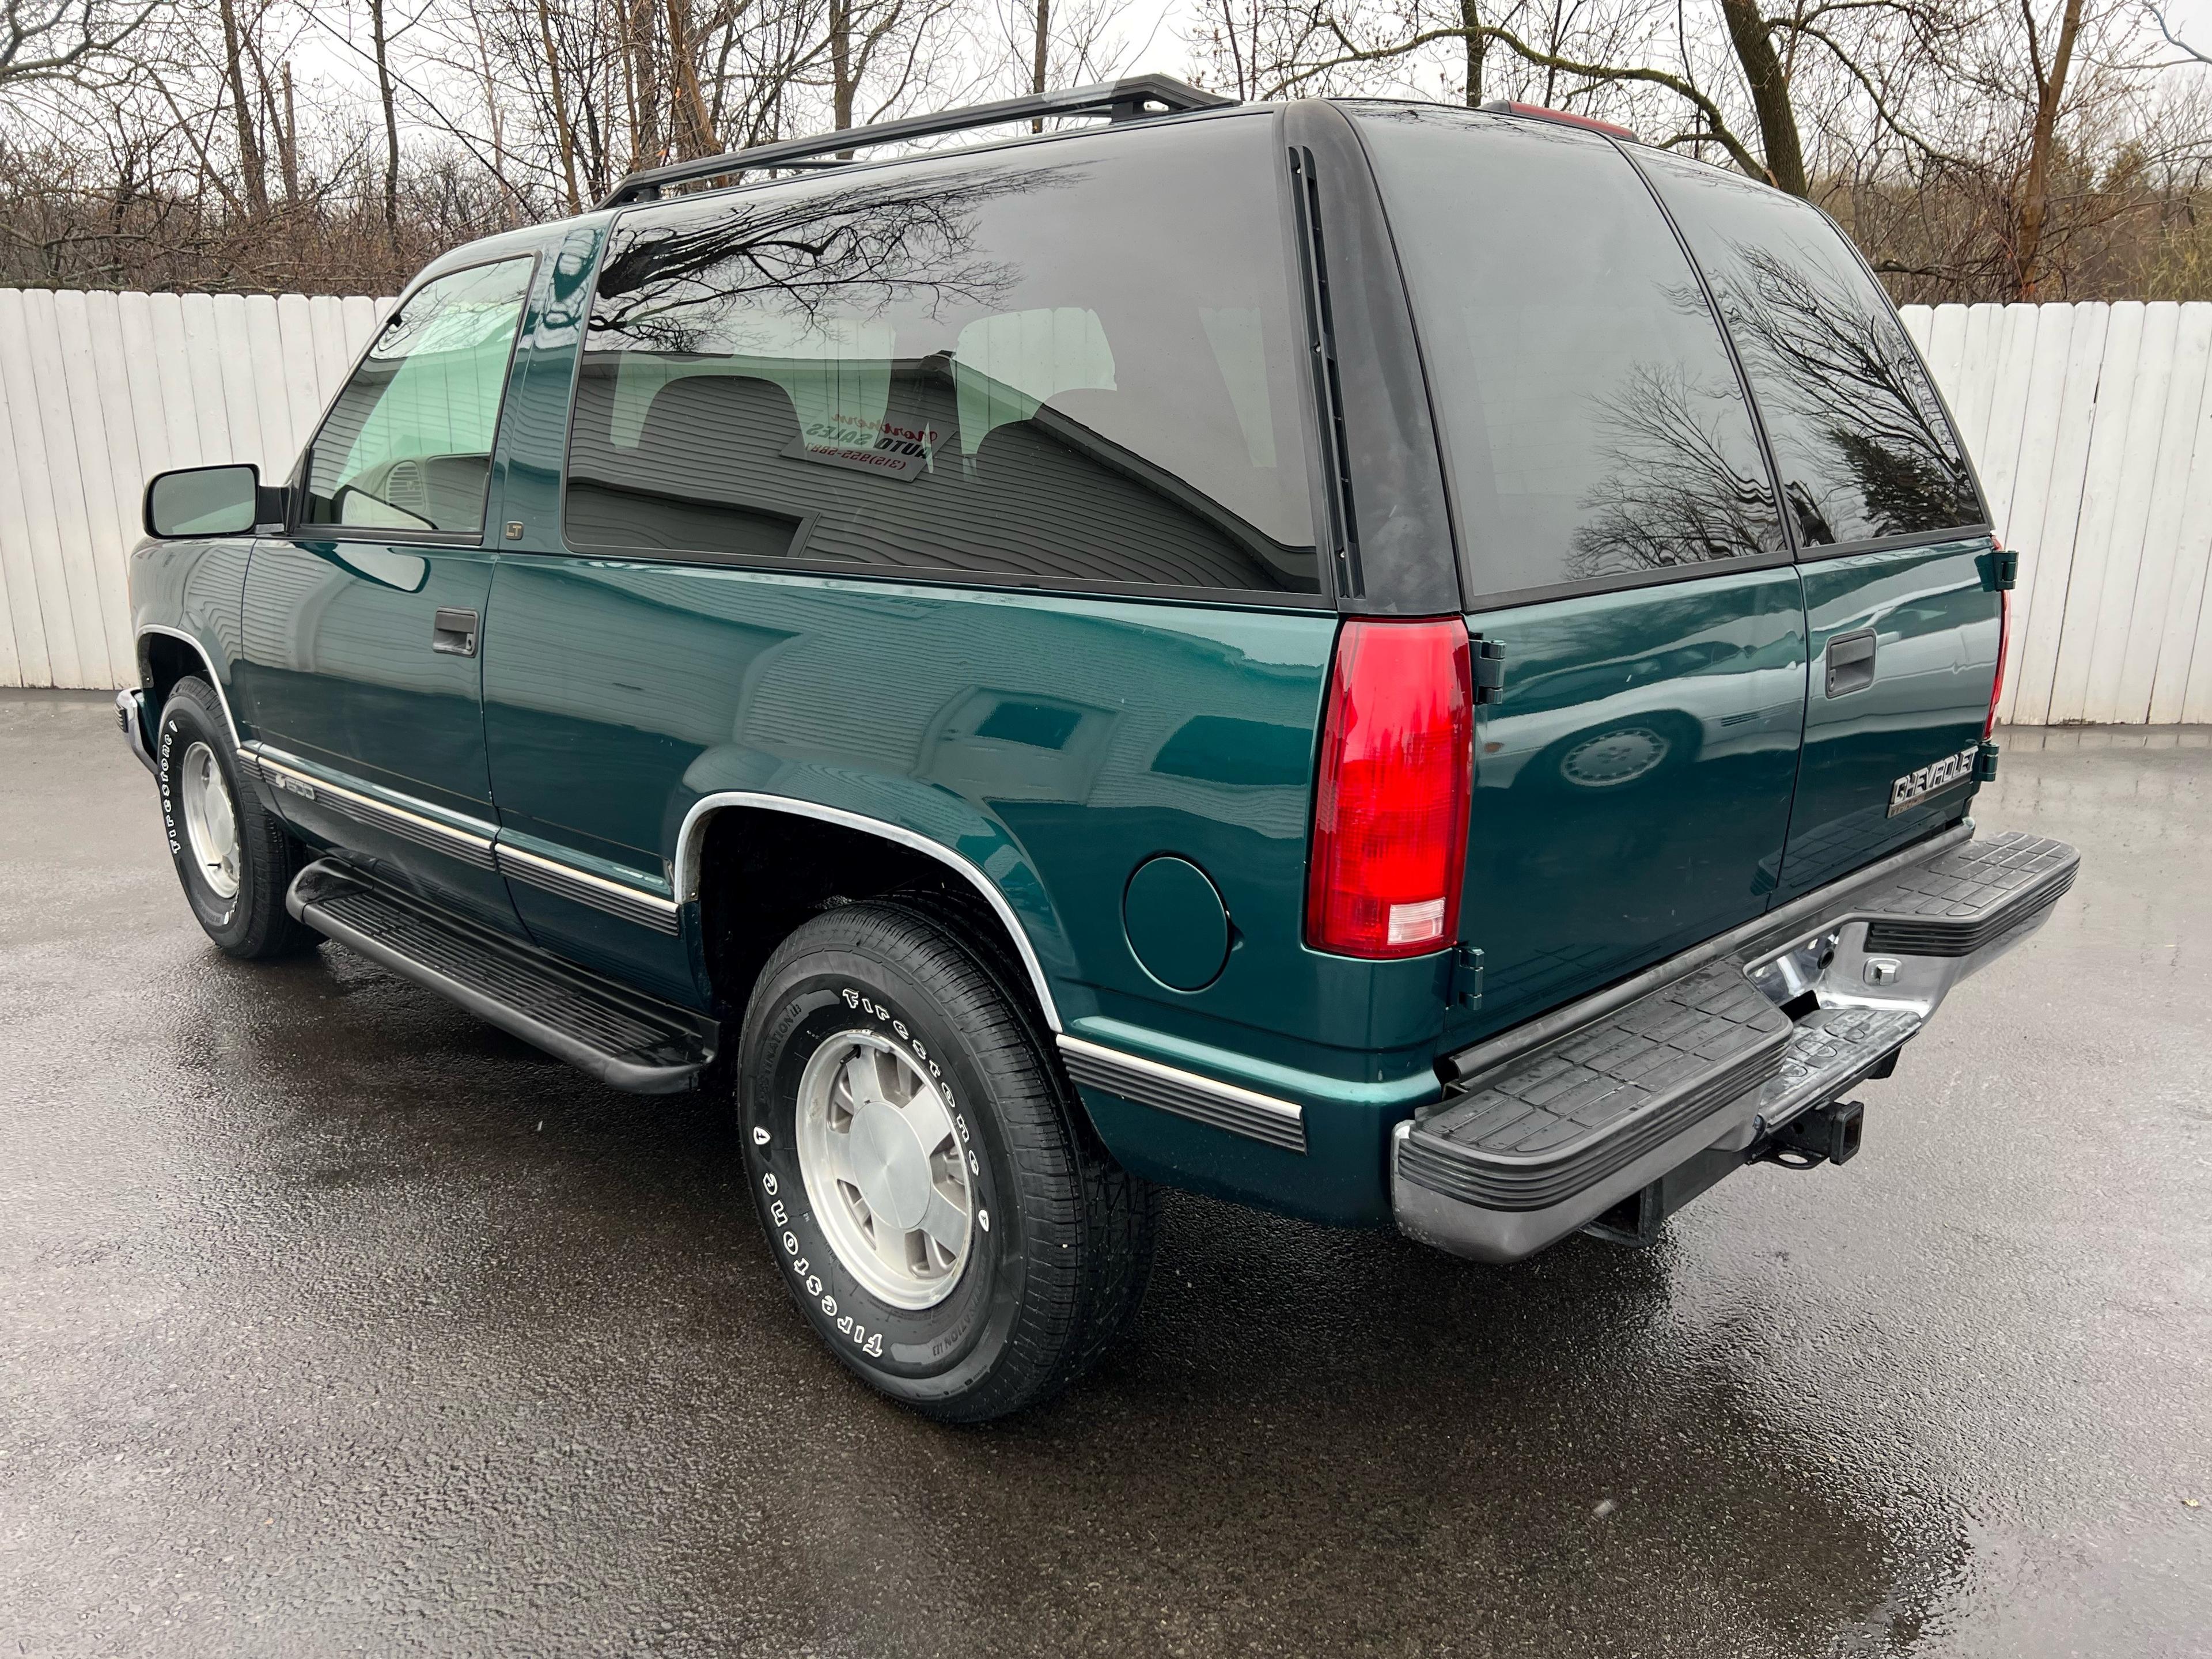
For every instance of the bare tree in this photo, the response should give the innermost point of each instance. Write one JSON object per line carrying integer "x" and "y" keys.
{"x": 2050, "y": 95}
{"x": 68, "y": 40}
{"x": 387, "y": 101}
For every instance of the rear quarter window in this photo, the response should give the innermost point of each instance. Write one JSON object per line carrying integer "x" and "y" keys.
{"x": 1070, "y": 362}
{"x": 1859, "y": 435}
{"x": 1593, "y": 423}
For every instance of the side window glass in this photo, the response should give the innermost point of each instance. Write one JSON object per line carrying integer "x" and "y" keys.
{"x": 408, "y": 444}
{"x": 1594, "y": 423}
{"x": 1069, "y": 361}
{"x": 1863, "y": 445}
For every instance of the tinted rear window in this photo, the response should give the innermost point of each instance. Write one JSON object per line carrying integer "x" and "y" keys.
{"x": 1860, "y": 440}
{"x": 1594, "y": 423}
{"x": 1068, "y": 360}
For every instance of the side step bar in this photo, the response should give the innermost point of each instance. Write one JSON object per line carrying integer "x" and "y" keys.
{"x": 1545, "y": 1128}
{"x": 632, "y": 1041}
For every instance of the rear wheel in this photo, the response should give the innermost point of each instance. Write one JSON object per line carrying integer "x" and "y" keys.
{"x": 930, "y": 1192}
{"x": 233, "y": 859}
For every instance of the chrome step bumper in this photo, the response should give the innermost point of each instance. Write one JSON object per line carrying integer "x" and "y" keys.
{"x": 1534, "y": 1141}
{"x": 130, "y": 715}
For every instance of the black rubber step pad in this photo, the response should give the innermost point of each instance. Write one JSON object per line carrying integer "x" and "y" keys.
{"x": 1971, "y": 894}
{"x": 1556, "y": 1120}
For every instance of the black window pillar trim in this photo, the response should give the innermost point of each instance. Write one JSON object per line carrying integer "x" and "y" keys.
{"x": 1335, "y": 517}
{"x": 1404, "y": 561}
{"x": 1791, "y": 543}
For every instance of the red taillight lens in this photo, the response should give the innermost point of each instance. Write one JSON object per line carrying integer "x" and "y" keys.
{"x": 1389, "y": 843}
{"x": 2004, "y": 651}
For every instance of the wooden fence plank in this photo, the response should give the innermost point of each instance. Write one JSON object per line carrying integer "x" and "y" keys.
{"x": 1947, "y": 344}
{"x": 2046, "y": 494}
{"x": 72, "y": 533}
{"x": 2089, "y": 656}
{"x": 2133, "y": 676}
{"x": 142, "y": 369}
{"x": 45, "y": 582}
{"x": 1997, "y": 453}
{"x": 334, "y": 349}
{"x": 1970, "y": 397}
{"x": 2197, "y": 698}
{"x": 204, "y": 354}
{"x": 22, "y": 631}
{"x": 241, "y": 396}
{"x": 116, "y": 519}
{"x": 2189, "y": 599}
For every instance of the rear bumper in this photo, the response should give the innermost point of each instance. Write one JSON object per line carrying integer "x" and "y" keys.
{"x": 130, "y": 715}
{"x": 1534, "y": 1141}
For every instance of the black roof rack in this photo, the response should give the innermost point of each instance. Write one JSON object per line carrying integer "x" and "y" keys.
{"x": 1125, "y": 99}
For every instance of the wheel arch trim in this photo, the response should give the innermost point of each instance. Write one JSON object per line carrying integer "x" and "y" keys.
{"x": 237, "y": 739}
{"x": 690, "y": 840}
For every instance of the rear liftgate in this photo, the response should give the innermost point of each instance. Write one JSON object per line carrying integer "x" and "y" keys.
{"x": 1617, "y": 1111}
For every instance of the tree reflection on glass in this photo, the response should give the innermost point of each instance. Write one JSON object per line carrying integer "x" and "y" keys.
{"x": 691, "y": 286}
{"x": 1863, "y": 446}
{"x": 1684, "y": 486}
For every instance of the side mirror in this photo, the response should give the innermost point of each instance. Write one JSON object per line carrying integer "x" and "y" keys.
{"x": 210, "y": 500}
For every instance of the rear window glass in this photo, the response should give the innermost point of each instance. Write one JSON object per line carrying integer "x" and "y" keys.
{"x": 1068, "y": 360}
{"x": 1862, "y": 442}
{"x": 1594, "y": 425}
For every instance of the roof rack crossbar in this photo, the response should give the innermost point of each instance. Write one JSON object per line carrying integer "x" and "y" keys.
{"x": 1119, "y": 101}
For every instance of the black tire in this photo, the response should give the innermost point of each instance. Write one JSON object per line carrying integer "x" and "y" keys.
{"x": 250, "y": 924}
{"x": 1062, "y": 1237}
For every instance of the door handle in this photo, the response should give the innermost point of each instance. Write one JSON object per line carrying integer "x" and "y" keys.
{"x": 454, "y": 632}
{"x": 1851, "y": 663}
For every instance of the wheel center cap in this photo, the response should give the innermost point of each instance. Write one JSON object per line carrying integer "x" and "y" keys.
{"x": 889, "y": 1166}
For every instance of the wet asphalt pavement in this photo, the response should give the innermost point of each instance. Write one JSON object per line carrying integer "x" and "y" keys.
{"x": 333, "y": 1321}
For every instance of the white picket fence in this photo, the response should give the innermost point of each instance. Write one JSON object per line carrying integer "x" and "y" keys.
{"x": 2090, "y": 423}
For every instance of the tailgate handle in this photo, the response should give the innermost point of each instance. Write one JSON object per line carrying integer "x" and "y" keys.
{"x": 1851, "y": 663}
{"x": 454, "y": 632}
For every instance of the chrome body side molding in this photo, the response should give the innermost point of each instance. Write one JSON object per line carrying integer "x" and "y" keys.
{"x": 471, "y": 845}
{"x": 632, "y": 905}
{"x": 1170, "y": 1089}
{"x": 691, "y": 837}
{"x": 472, "y": 841}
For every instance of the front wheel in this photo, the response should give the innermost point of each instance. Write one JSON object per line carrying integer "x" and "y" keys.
{"x": 233, "y": 859}
{"x": 934, "y": 1203}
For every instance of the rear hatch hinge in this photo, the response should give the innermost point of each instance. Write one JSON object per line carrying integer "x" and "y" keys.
{"x": 1466, "y": 976}
{"x": 1489, "y": 672}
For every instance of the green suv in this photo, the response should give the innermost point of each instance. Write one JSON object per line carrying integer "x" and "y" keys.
{"x": 1400, "y": 664}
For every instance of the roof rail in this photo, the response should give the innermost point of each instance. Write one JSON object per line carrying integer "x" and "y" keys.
{"x": 1127, "y": 100}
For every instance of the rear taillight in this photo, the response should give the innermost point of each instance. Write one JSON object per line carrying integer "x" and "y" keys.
{"x": 1389, "y": 843}
{"x": 2004, "y": 650}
